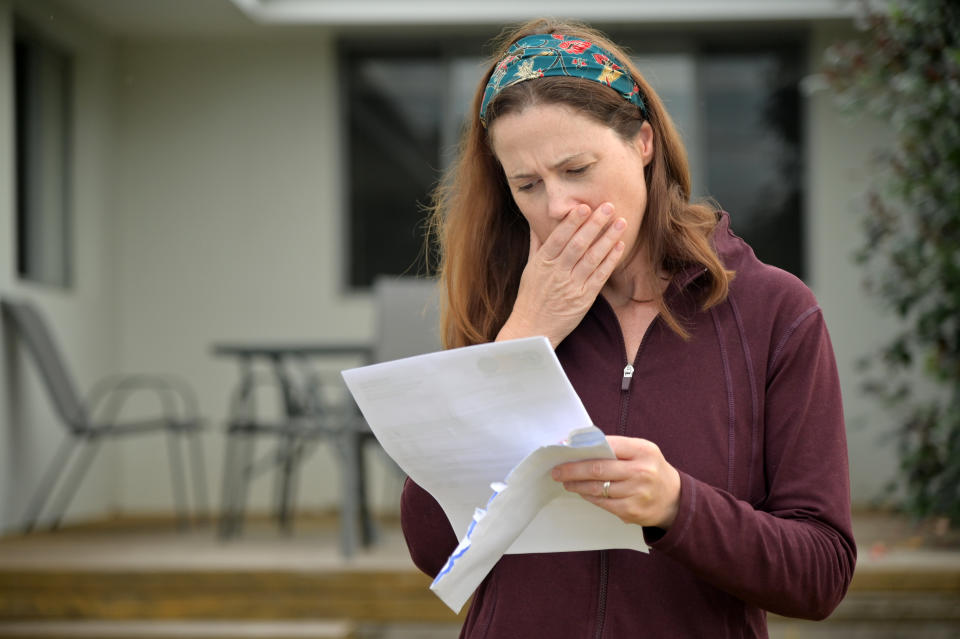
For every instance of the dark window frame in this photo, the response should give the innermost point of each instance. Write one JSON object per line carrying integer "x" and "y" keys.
{"x": 788, "y": 42}
{"x": 40, "y": 159}
{"x": 352, "y": 52}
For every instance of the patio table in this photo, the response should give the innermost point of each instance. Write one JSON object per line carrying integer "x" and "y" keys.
{"x": 306, "y": 417}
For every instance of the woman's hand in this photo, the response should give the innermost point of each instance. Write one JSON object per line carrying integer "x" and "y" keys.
{"x": 644, "y": 489}
{"x": 564, "y": 274}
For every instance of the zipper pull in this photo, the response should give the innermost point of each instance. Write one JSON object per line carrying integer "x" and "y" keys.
{"x": 627, "y": 376}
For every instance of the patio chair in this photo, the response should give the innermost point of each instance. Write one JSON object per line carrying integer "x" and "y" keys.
{"x": 89, "y": 422}
{"x": 406, "y": 318}
{"x": 304, "y": 422}
{"x": 408, "y": 322}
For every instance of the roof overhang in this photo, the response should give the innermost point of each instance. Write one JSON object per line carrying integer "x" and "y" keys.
{"x": 422, "y": 12}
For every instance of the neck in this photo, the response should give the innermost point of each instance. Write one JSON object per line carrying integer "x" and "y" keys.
{"x": 634, "y": 284}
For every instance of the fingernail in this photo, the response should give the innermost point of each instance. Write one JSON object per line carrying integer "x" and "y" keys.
{"x": 606, "y": 209}
{"x": 583, "y": 211}
{"x": 620, "y": 224}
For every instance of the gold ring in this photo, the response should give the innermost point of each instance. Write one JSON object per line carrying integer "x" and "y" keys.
{"x": 606, "y": 489}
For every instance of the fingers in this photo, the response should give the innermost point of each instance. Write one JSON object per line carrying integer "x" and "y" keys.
{"x": 597, "y": 268}
{"x": 584, "y": 238}
{"x": 643, "y": 487}
{"x": 565, "y": 272}
{"x": 624, "y": 448}
{"x": 592, "y": 242}
{"x": 534, "y": 245}
{"x": 554, "y": 245}
{"x": 604, "y": 490}
{"x": 587, "y": 473}
{"x": 631, "y": 447}
{"x": 587, "y": 477}
{"x": 595, "y": 489}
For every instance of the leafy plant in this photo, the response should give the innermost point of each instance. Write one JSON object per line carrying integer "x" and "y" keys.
{"x": 906, "y": 70}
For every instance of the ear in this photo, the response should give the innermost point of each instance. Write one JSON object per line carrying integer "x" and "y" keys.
{"x": 644, "y": 143}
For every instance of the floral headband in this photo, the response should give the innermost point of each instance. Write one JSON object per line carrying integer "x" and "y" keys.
{"x": 539, "y": 56}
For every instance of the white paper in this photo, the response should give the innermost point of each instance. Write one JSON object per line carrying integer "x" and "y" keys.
{"x": 462, "y": 420}
{"x": 520, "y": 499}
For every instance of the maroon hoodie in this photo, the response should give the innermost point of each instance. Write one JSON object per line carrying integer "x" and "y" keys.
{"x": 749, "y": 411}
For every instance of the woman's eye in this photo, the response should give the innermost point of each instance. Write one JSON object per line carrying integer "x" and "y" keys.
{"x": 526, "y": 187}
{"x": 578, "y": 171}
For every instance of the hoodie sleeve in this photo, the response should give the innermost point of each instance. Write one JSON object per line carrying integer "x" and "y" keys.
{"x": 793, "y": 552}
{"x": 429, "y": 536}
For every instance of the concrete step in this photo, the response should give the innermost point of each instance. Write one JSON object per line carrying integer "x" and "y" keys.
{"x": 901, "y": 588}
{"x": 165, "y": 629}
{"x": 363, "y": 595}
{"x": 863, "y": 630}
{"x": 899, "y": 605}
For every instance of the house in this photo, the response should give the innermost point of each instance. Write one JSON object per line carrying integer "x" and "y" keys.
{"x": 220, "y": 171}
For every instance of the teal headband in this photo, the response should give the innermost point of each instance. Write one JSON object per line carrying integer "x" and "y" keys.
{"x": 540, "y": 56}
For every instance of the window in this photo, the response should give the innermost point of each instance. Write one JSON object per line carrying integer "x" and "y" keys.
{"x": 395, "y": 113}
{"x": 737, "y": 108}
{"x": 404, "y": 109}
{"x": 43, "y": 76}
{"x": 752, "y": 147}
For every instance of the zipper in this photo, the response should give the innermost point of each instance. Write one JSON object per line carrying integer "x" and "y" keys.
{"x": 625, "y": 381}
{"x": 621, "y": 429}
{"x": 602, "y": 603}
{"x": 625, "y": 399}
{"x": 627, "y": 376}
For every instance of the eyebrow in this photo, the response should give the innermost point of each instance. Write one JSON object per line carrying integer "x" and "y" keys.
{"x": 564, "y": 160}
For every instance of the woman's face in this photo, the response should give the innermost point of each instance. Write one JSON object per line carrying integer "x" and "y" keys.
{"x": 555, "y": 159}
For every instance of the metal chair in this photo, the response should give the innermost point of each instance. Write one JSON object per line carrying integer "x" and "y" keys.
{"x": 305, "y": 422}
{"x": 406, "y": 319}
{"x": 88, "y": 422}
{"x": 408, "y": 323}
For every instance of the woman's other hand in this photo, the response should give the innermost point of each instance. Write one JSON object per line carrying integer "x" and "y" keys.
{"x": 564, "y": 274}
{"x": 644, "y": 488}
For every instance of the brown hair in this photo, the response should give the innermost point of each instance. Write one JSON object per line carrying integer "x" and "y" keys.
{"x": 483, "y": 238}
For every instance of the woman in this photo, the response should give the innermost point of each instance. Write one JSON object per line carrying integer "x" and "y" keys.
{"x": 568, "y": 215}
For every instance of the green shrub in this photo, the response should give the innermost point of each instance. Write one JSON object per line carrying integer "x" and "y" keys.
{"x": 906, "y": 70}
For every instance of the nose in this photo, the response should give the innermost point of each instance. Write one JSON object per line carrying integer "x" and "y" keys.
{"x": 560, "y": 200}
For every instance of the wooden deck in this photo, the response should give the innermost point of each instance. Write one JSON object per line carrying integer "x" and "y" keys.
{"x": 145, "y": 570}
{"x": 104, "y": 580}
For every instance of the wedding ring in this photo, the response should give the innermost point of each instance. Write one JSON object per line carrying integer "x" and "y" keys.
{"x": 606, "y": 489}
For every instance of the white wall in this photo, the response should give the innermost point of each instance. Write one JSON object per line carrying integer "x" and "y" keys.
{"x": 82, "y": 317}
{"x": 228, "y": 222}
{"x": 839, "y": 148}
